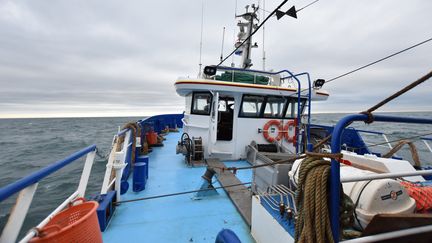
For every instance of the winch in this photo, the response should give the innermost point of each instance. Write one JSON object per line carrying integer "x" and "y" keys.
{"x": 192, "y": 149}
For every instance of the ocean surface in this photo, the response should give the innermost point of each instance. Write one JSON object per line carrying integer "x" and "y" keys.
{"x": 27, "y": 145}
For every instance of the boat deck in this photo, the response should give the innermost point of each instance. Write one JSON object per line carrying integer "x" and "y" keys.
{"x": 176, "y": 218}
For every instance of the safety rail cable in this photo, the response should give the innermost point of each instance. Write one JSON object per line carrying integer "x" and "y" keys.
{"x": 335, "y": 165}
{"x": 396, "y": 140}
{"x": 27, "y": 187}
{"x": 376, "y": 133}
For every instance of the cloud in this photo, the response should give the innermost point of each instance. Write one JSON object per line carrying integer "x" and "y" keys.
{"x": 77, "y": 58}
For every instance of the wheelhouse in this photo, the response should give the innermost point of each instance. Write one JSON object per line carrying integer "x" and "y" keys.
{"x": 229, "y": 109}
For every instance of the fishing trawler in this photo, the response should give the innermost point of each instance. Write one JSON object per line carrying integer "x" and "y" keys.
{"x": 243, "y": 163}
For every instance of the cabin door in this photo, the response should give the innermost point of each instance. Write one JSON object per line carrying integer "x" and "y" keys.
{"x": 221, "y": 125}
{"x": 225, "y": 119}
{"x": 214, "y": 118}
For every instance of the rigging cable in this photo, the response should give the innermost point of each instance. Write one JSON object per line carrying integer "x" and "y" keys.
{"x": 307, "y": 6}
{"x": 250, "y": 36}
{"x": 370, "y": 64}
{"x": 379, "y": 60}
{"x": 181, "y": 193}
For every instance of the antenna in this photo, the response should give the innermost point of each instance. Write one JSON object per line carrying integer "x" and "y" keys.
{"x": 223, "y": 39}
{"x": 263, "y": 49}
{"x": 201, "y": 38}
{"x": 234, "y": 34}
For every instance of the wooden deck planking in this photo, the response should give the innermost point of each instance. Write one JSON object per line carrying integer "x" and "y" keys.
{"x": 240, "y": 195}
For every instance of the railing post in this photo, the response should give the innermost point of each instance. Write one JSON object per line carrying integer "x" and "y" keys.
{"x": 107, "y": 178}
{"x": 118, "y": 166}
{"x": 427, "y": 145}
{"x": 18, "y": 214}
{"x": 86, "y": 173}
{"x": 386, "y": 139}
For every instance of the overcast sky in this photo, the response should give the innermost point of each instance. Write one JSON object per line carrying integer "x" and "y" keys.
{"x": 120, "y": 58}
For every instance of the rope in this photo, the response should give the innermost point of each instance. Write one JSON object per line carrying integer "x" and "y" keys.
{"x": 400, "y": 92}
{"x": 325, "y": 155}
{"x": 413, "y": 150}
{"x": 180, "y": 193}
{"x": 380, "y": 104}
{"x": 313, "y": 223}
{"x": 135, "y": 131}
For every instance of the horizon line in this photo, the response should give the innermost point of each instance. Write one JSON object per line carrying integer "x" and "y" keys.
{"x": 144, "y": 116}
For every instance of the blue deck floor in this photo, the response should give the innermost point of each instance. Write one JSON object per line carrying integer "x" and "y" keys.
{"x": 178, "y": 218}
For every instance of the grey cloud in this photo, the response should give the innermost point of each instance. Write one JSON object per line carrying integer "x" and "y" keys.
{"x": 66, "y": 57}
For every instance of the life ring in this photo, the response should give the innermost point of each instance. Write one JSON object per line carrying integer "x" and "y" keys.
{"x": 286, "y": 129}
{"x": 266, "y": 128}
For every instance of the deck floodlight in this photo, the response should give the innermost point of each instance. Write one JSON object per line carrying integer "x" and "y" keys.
{"x": 317, "y": 84}
{"x": 210, "y": 70}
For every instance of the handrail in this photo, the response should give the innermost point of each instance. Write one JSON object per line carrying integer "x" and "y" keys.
{"x": 22, "y": 183}
{"x": 335, "y": 166}
{"x": 371, "y": 132}
{"x": 27, "y": 187}
{"x": 122, "y": 132}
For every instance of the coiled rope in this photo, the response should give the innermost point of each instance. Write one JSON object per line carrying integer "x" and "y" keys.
{"x": 313, "y": 222}
{"x": 136, "y": 131}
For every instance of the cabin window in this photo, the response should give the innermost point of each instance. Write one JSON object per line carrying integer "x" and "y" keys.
{"x": 251, "y": 106}
{"x": 201, "y": 103}
{"x": 291, "y": 111}
{"x": 274, "y": 107}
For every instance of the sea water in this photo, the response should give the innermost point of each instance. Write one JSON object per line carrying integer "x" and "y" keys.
{"x": 27, "y": 145}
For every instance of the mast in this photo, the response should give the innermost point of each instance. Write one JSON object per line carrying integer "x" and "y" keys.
{"x": 246, "y": 28}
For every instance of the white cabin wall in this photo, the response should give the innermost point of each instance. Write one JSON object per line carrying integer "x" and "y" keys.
{"x": 197, "y": 126}
{"x": 188, "y": 103}
{"x": 247, "y": 132}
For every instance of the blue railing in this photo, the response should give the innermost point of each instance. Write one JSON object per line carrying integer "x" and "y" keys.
{"x": 27, "y": 187}
{"x": 35, "y": 177}
{"x": 159, "y": 122}
{"x": 335, "y": 167}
